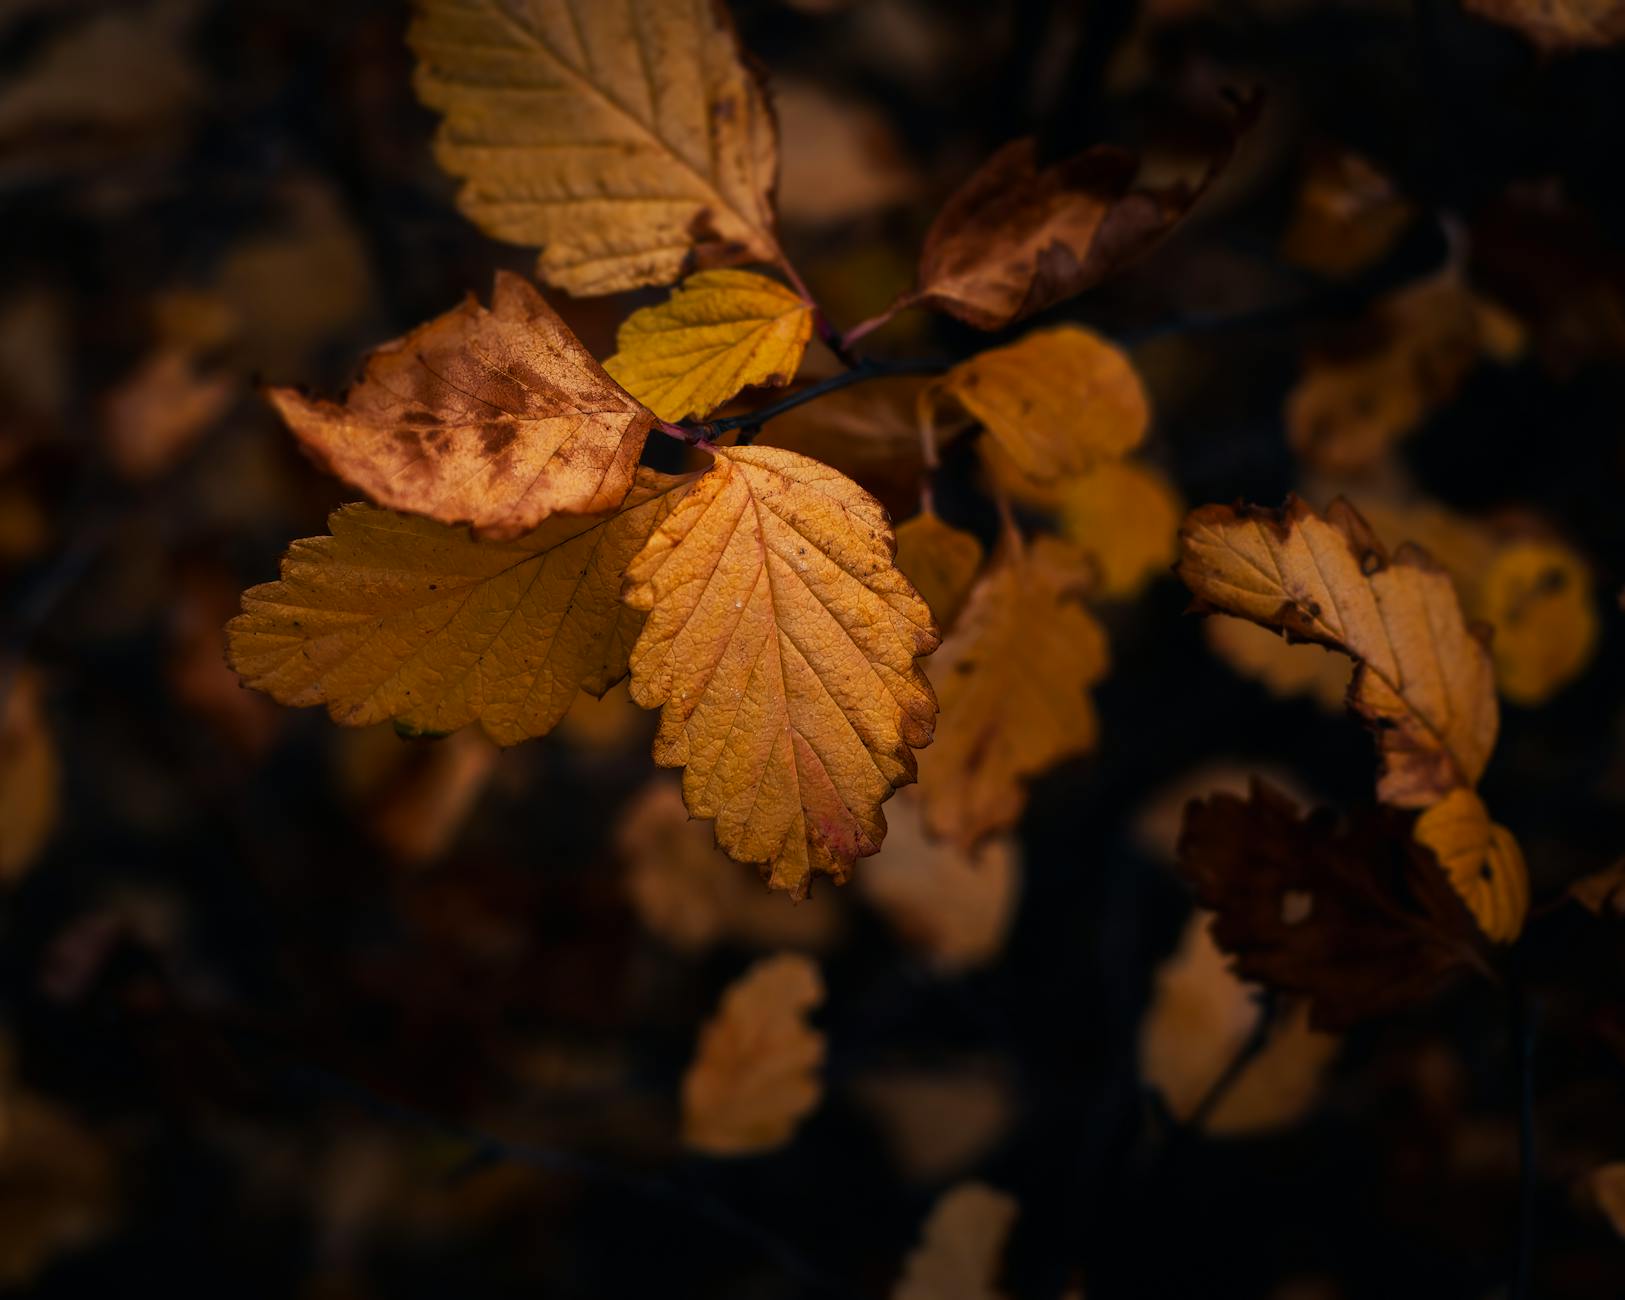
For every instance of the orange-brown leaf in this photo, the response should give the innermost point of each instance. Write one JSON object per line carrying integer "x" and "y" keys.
{"x": 496, "y": 418}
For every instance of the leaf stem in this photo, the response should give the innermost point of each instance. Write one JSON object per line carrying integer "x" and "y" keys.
{"x": 827, "y": 333}
{"x": 869, "y": 326}
{"x": 752, "y": 421}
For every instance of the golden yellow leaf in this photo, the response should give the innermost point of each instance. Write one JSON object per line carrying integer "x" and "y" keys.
{"x": 495, "y": 418}
{"x": 692, "y": 895}
{"x": 961, "y": 1248}
{"x": 1423, "y": 680}
{"x": 1056, "y": 401}
{"x": 1537, "y": 596}
{"x": 952, "y": 905}
{"x": 630, "y": 142}
{"x": 1126, "y": 515}
{"x": 1557, "y": 24}
{"x": 754, "y": 1076}
{"x": 1287, "y": 668}
{"x": 30, "y": 776}
{"x": 1200, "y": 1017}
{"x": 719, "y": 332}
{"x": 399, "y": 617}
{"x": 1013, "y": 680}
{"x": 780, "y": 646}
{"x": 1482, "y": 861}
{"x": 940, "y": 560}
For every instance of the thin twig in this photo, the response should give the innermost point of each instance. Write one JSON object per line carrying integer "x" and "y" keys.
{"x": 751, "y": 421}
{"x": 1245, "y": 1055}
{"x": 831, "y": 337}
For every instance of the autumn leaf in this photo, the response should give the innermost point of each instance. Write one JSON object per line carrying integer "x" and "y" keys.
{"x": 1555, "y": 25}
{"x": 719, "y": 332}
{"x": 1423, "y": 679}
{"x": 961, "y": 1248}
{"x": 161, "y": 409}
{"x": 1359, "y": 920}
{"x": 630, "y": 142}
{"x": 1056, "y": 402}
{"x": 1482, "y": 861}
{"x": 1347, "y": 215}
{"x": 1013, "y": 681}
{"x": 494, "y": 418}
{"x": 1537, "y": 595}
{"x": 780, "y": 646}
{"x": 1126, "y": 516}
{"x": 30, "y": 775}
{"x": 396, "y": 617}
{"x": 754, "y": 1076}
{"x": 941, "y": 561}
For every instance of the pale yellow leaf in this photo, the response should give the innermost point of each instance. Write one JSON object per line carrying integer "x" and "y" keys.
{"x": 1482, "y": 861}
{"x": 627, "y": 139}
{"x": 1126, "y": 515}
{"x": 940, "y": 560}
{"x": 1056, "y": 401}
{"x": 1423, "y": 680}
{"x": 399, "y": 617}
{"x": 754, "y": 1076}
{"x": 719, "y": 332}
{"x": 780, "y": 646}
{"x": 30, "y": 776}
{"x": 1013, "y": 681}
{"x": 495, "y": 418}
{"x": 961, "y": 1248}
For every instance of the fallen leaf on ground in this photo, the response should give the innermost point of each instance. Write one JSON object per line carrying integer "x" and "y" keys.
{"x": 1013, "y": 682}
{"x": 496, "y": 418}
{"x": 941, "y": 561}
{"x": 719, "y": 332}
{"x": 780, "y": 646}
{"x": 1482, "y": 861}
{"x": 1359, "y": 920}
{"x": 630, "y": 143}
{"x": 961, "y": 1248}
{"x": 397, "y": 617}
{"x": 1125, "y": 515}
{"x": 754, "y": 1076}
{"x": 30, "y": 776}
{"x": 1057, "y": 401}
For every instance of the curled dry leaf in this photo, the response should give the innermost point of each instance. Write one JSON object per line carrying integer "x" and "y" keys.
{"x": 754, "y": 1076}
{"x": 1125, "y": 515}
{"x": 1558, "y": 24}
{"x": 961, "y": 1248}
{"x": 495, "y": 418}
{"x": 396, "y": 617}
{"x": 692, "y": 895}
{"x": 941, "y": 561}
{"x": 1482, "y": 860}
{"x": 1359, "y": 919}
{"x": 1423, "y": 679}
{"x": 780, "y": 647}
{"x": 951, "y": 904}
{"x": 1013, "y": 680}
{"x": 30, "y": 775}
{"x": 630, "y": 142}
{"x": 1056, "y": 402}
{"x": 1200, "y": 1017}
{"x": 719, "y": 332}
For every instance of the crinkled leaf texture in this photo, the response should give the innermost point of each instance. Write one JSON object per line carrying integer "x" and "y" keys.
{"x": 493, "y": 418}
{"x": 397, "y": 617}
{"x": 626, "y": 138}
{"x": 720, "y": 332}
{"x": 780, "y": 647}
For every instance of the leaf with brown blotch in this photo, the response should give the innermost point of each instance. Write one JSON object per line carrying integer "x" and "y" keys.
{"x": 941, "y": 561}
{"x": 1013, "y": 680}
{"x": 1057, "y": 401}
{"x": 629, "y": 141}
{"x": 393, "y": 616}
{"x": 780, "y": 646}
{"x": 494, "y": 418}
{"x": 719, "y": 332}
{"x": 1423, "y": 679}
{"x": 1482, "y": 861}
{"x": 754, "y": 1076}
{"x": 1358, "y": 919}
{"x": 961, "y": 1248}
{"x": 1554, "y": 25}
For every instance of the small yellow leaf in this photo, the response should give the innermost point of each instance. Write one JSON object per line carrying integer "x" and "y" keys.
{"x": 30, "y": 776}
{"x": 495, "y": 418}
{"x": 628, "y": 141}
{"x": 399, "y": 617}
{"x": 780, "y": 646}
{"x": 754, "y": 1076}
{"x": 940, "y": 560}
{"x": 1013, "y": 681}
{"x": 961, "y": 1248}
{"x": 1537, "y": 596}
{"x": 1126, "y": 516}
{"x": 1056, "y": 401}
{"x": 719, "y": 332}
{"x": 1482, "y": 861}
